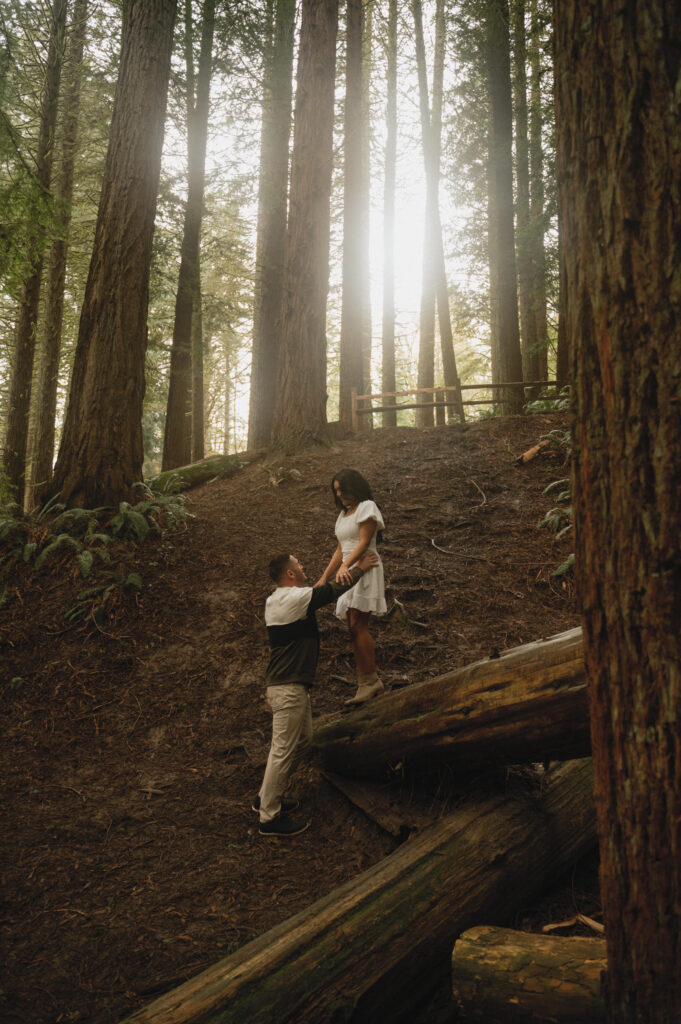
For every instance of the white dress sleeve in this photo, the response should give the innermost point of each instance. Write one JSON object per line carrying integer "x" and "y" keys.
{"x": 370, "y": 510}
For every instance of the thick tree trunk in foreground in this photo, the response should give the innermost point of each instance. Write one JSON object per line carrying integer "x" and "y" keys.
{"x": 373, "y": 946}
{"x": 48, "y": 375}
{"x": 504, "y": 294}
{"x": 19, "y": 403}
{"x": 501, "y": 976}
{"x": 619, "y": 157}
{"x": 101, "y": 454}
{"x": 271, "y": 236}
{"x": 530, "y": 704}
{"x": 177, "y": 441}
{"x": 300, "y": 412}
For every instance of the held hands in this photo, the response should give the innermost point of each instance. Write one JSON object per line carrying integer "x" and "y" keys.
{"x": 368, "y": 560}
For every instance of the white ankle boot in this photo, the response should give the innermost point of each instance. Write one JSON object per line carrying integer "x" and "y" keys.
{"x": 367, "y": 687}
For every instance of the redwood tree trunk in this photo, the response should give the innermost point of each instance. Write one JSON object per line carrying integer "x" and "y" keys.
{"x": 16, "y": 438}
{"x": 388, "y": 350}
{"x": 619, "y": 152}
{"x": 426, "y": 360}
{"x": 46, "y": 392}
{"x": 177, "y": 442}
{"x": 537, "y": 199}
{"x": 271, "y": 234}
{"x": 101, "y": 453}
{"x": 300, "y": 412}
{"x": 355, "y": 254}
{"x": 528, "y": 322}
{"x": 502, "y": 238}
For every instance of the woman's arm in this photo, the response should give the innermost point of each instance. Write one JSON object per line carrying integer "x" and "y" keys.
{"x": 366, "y": 531}
{"x": 331, "y": 568}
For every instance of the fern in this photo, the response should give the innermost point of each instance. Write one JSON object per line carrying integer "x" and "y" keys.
{"x": 63, "y": 540}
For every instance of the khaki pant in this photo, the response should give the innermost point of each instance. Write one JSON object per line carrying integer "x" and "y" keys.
{"x": 291, "y": 731}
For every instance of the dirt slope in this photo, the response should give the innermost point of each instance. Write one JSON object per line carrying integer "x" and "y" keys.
{"x": 132, "y": 753}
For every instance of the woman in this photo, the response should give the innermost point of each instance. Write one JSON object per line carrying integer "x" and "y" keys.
{"x": 357, "y": 528}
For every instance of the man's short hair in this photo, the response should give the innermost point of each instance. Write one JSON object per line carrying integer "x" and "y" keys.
{"x": 278, "y": 566}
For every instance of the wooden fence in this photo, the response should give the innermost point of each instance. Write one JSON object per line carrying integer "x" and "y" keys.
{"x": 447, "y": 397}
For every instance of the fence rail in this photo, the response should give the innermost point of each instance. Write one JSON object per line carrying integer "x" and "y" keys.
{"x": 449, "y": 396}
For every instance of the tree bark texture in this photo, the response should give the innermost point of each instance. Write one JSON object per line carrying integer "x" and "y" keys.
{"x": 363, "y": 952}
{"x": 198, "y": 391}
{"x": 388, "y": 380}
{"x": 271, "y": 232}
{"x": 19, "y": 403}
{"x": 300, "y": 412}
{"x": 101, "y": 454}
{"x": 426, "y": 357}
{"x": 619, "y": 153}
{"x": 528, "y": 322}
{"x": 45, "y": 404}
{"x": 530, "y": 704}
{"x": 562, "y": 352}
{"x": 537, "y": 198}
{"x": 501, "y": 976}
{"x": 355, "y": 295}
{"x": 502, "y": 236}
{"x": 177, "y": 441}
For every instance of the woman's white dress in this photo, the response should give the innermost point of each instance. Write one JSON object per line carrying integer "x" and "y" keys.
{"x": 368, "y": 595}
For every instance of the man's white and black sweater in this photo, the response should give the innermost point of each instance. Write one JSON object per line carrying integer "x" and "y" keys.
{"x": 292, "y": 630}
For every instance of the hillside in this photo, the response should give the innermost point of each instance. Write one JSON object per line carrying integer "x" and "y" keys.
{"x": 132, "y": 750}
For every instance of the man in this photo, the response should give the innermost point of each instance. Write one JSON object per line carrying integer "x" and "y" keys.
{"x": 294, "y": 642}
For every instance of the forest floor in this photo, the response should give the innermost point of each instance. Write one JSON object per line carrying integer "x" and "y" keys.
{"x": 132, "y": 751}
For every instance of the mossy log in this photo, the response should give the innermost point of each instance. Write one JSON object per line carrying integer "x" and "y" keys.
{"x": 185, "y": 477}
{"x": 529, "y": 704}
{"x": 507, "y": 977}
{"x": 371, "y": 949}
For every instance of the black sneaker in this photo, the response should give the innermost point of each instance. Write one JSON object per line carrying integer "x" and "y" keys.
{"x": 282, "y": 825}
{"x": 286, "y": 805}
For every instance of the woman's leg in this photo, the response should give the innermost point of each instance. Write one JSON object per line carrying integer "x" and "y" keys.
{"x": 368, "y": 683}
{"x": 362, "y": 641}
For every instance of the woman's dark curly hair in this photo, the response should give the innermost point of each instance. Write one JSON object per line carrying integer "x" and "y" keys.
{"x": 352, "y": 485}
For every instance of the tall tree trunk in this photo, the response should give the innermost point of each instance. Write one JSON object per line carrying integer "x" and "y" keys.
{"x": 300, "y": 412}
{"x": 16, "y": 438}
{"x": 198, "y": 397}
{"x": 619, "y": 160}
{"x": 528, "y": 322}
{"x": 426, "y": 360}
{"x": 355, "y": 255}
{"x": 101, "y": 453}
{"x": 177, "y": 442}
{"x": 271, "y": 232}
{"x": 388, "y": 382}
{"x": 367, "y": 331}
{"x": 562, "y": 353}
{"x": 502, "y": 241}
{"x": 537, "y": 217}
{"x": 227, "y": 399}
{"x": 45, "y": 404}
{"x": 434, "y": 281}
{"x": 450, "y": 373}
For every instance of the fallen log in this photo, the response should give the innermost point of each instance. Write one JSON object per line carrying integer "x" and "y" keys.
{"x": 529, "y": 704}
{"x": 184, "y": 477}
{"x": 374, "y": 947}
{"x": 506, "y": 977}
